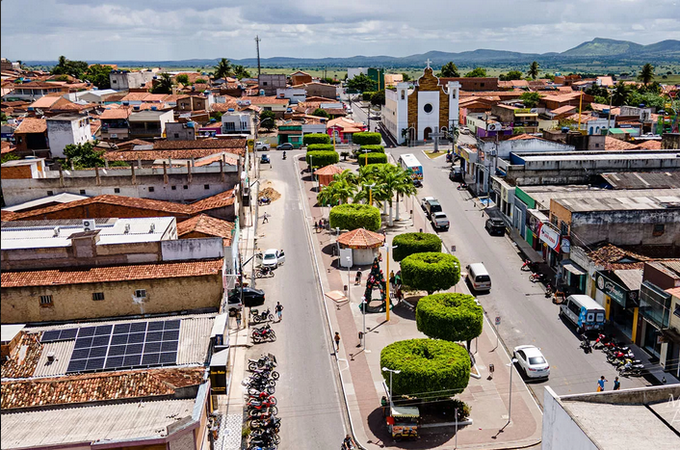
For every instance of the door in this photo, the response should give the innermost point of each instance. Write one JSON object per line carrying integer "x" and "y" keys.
{"x": 281, "y": 258}
{"x": 426, "y": 133}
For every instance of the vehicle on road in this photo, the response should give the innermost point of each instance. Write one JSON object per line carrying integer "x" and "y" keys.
{"x": 273, "y": 258}
{"x": 418, "y": 183}
{"x": 465, "y": 130}
{"x": 262, "y": 146}
{"x": 440, "y": 221}
{"x": 410, "y": 163}
{"x": 584, "y": 312}
{"x": 264, "y": 159}
{"x": 456, "y": 173}
{"x": 531, "y": 361}
{"x": 285, "y": 146}
{"x": 425, "y": 200}
{"x": 404, "y": 423}
{"x": 431, "y": 205}
{"x": 478, "y": 277}
{"x": 495, "y": 226}
{"x": 251, "y": 297}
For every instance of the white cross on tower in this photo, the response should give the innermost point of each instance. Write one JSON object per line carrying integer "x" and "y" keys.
{"x": 428, "y": 62}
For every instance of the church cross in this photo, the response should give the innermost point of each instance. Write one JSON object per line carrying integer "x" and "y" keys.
{"x": 428, "y": 62}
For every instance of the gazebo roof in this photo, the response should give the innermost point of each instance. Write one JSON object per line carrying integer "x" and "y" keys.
{"x": 328, "y": 170}
{"x": 361, "y": 238}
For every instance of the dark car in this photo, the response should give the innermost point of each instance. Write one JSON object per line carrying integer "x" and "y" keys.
{"x": 285, "y": 146}
{"x": 251, "y": 297}
{"x": 456, "y": 174}
{"x": 495, "y": 226}
{"x": 264, "y": 159}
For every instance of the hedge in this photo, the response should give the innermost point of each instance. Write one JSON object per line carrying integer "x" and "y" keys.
{"x": 367, "y": 138}
{"x": 369, "y": 148}
{"x": 320, "y": 148}
{"x": 429, "y": 368}
{"x": 322, "y": 159}
{"x": 430, "y": 271}
{"x": 355, "y": 215}
{"x": 452, "y": 317}
{"x": 410, "y": 243}
{"x": 316, "y": 138}
{"x": 372, "y": 158}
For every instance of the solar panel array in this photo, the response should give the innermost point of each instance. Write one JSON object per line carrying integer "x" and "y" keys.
{"x": 59, "y": 335}
{"x": 125, "y": 346}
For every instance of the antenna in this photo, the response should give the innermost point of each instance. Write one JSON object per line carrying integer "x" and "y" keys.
{"x": 257, "y": 43}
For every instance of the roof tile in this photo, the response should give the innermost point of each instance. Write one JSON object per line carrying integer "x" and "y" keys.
{"x": 205, "y": 224}
{"x": 31, "y": 125}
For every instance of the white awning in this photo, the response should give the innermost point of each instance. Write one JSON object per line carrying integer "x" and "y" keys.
{"x": 573, "y": 269}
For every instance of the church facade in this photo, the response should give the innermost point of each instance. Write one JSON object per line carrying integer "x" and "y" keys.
{"x": 416, "y": 113}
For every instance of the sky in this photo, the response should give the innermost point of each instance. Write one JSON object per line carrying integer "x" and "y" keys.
{"x": 156, "y": 30}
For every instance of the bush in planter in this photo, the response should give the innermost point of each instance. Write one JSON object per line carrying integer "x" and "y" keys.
{"x": 410, "y": 243}
{"x": 372, "y": 158}
{"x": 426, "y": 365}
{"x": 355, "y": 215}
{"x": 430, "y": 271}
{"x": 368, "y": 148}
{"x": 366, "y": 138}
{"x": 316, "y": 138}
{"x": 344, "y": 155}
{"x": 450, "y": 316}
{"x": 320, "y": 147}
{"x": 322, "y": 158}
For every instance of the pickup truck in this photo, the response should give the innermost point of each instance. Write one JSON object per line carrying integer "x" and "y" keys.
{"x": 262, "y": 146}
{"x": 440, "y": 221}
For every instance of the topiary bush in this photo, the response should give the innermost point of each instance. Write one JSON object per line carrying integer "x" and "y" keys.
{"x": 452, "y": 317}
{"x": 367, "y": 138}
{"x": 322, "y": 158}
{"x": 410, "y": 243}
{"x": 320, "y": 148}
{"x": 429, "y": 367}
{"x": 372, "y": 158}
{"x": 316, "y": 138}
{"x": 430, "y": 271}
{"x": 373, "y": 148}
{"x": 355, "y": 215}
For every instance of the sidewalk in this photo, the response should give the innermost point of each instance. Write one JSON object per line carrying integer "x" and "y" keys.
{"x": 361, "y": 371}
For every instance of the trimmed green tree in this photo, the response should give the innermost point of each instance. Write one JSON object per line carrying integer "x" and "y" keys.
{"x": 355, "y": 215}
{"x": 316, "y": 138}
{"x": 409, "y": 243}
{"x": 322, "y": 158}
{"x": 428, "y": 368}
{"x": 319, "y": 112}
{"x": 373, "y": 148}
{"x": 372, "y": 158}
{"x": 450, "y": 316}
{"x": 430, "y": 271}
{"x": 320, "y": 147}
{"x": 367, "y": 138}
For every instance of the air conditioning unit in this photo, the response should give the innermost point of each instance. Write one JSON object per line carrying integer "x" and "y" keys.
{"x": 56, "y": 231}
{"x": 88, "y": 225}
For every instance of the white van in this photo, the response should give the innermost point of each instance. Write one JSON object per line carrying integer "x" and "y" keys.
{"x": 478, "y": 277}
{"x": 584, "y": 312}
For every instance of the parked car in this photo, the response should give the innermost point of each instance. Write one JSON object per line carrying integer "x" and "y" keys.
{"x": 495, "y": 226}
{"x": 264, "y": 159}
{"x": 262, "y": 146}
{"x": 285, "y": 146}
{"x": 456, "y": 174}
{"x": 273, "y": 258}
{"x": 251, "y": 297}
{"x": 531, "y": 361}
{"x": 424, "y": 201}
{"x": 464, "y": 130}
{"x": 440, "y": 221}
{"x": 432, "y": 206}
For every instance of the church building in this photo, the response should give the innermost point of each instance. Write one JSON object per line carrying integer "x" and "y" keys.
{"x": 414, "y": 113}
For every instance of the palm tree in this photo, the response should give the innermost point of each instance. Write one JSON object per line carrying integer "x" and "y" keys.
{"x": 404, "y": 186}
{"x": 163, "y": 84}
{"x": 241, "y": 72}
{"x": 620, "y": 95}
{"x": 347, "y": 175}
{"x": 646, "y": 74}
{"x": 62, "y": 61}
{"x": 336, "y": 192}
{"x": 223, "y": 68}
{"x": 533, "y": 70}
{"x": 449, "y": 70}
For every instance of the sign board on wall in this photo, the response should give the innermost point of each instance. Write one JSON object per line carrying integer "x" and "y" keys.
{"x": 550, "y": 236}
{"x": 616, "y": 292}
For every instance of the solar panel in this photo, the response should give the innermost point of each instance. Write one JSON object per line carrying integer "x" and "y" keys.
{"x": 68, "y": 334}
{"x": 121, "y": 328}
{"x": 154, "y": 336}
{"x": 98, "y": 352}
{"x": 103, "y": 330}
{"x": 155, "y": 326}
{"x": 59, "y": 335}
{"x": 77, "y": 365}
{"x": 95, "y": 364}
{"x": 172, "y": 324}
{"x": 135, "y": 338}
{"x": 118, "y": 339}
{"x": 87, "y": 331}
{"x": 152, "y": 347}
{"x": 168, "y": 358}
{"x": 138, "y": 327}
{"x": 150, "y": 359}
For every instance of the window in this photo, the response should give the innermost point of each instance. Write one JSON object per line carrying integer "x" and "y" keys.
{"x": 151, "y": 189}
{"x": 206, "y": 186}
{"x": 176, "y": 135}
{"x": 116, "y": 190}
{"x": 140, "y": 293}
{"x": 229, "y": 126}
{"x": 264, "y": 83}
{"x": 658, "y": 229}
{"x": 174, "y": 188}
{"x": 114, "y": 81}
{"x": 481, "y": 84}
{"x": 185, "y": 187}
{"x": 427, "y": 108}
{"x": 50, "y": 193}
{"x": 576, "y": 309}
{"x": 82, "y": 192}
{"x": 96, "y": 296}
{"x": 676, "y": 310}
{"x": 45, "y": 300}
{"x": 403, "y": 95}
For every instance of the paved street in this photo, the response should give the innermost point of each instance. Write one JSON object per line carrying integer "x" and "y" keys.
{"x": 307, "y": 391}
{"x": 527, "y": 317}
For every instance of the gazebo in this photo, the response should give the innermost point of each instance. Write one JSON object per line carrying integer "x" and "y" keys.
{"x": 364, "y": 245}
{"x": 326, "y": 174}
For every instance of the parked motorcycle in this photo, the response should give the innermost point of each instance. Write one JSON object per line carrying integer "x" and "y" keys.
{"x": 264, "y": 201}
{"x": 262, "y": 413}
{"x": 601, "y": 341}
{"x": 529, "y": 266}
{"x": 537, "y": 277}
{"x": 284, "y": 154}
{"x": 262, "y": 334}
{"x": 631, "y": 369}
{"x": 265, "y": 362}
{"x": 266, "y": 434}
{"x": 264, "y": 272}
{"x": 257, "y": 317}
{"x": 267, "y": 390}
{"x": 274, "y": 422}
{"x": 462, "y": 186}
{"x": 266, "y": 373}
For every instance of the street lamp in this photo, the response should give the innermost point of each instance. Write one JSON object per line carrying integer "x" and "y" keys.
{"x": 385, "y": 369}
{"x": 512, "y": 369}
{"x": 349, "y": 269}
{"x": 364, "y": 305}
{"x": 370, "y": 193}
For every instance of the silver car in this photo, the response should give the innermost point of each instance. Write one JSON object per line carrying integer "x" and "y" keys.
{"x": 532, "y": 361}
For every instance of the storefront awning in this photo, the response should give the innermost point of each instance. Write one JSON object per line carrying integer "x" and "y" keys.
{"x": 573, "y": 269}
{"x": 526, "y": 249}
{"x": 631, "y": 278}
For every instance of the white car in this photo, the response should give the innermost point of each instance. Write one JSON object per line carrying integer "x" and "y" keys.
{"x": 532, "y": 362}
{"x": 273, "y": 258}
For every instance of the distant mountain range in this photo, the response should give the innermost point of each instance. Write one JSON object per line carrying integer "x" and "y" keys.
{"x": 599, "y": 49}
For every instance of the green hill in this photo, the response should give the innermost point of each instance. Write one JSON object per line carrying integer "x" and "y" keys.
{"x": 604, "y": 47}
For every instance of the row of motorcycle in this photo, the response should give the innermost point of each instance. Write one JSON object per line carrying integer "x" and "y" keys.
{"x": 264, "y": 333}
{"x": 618, "y": 354}
{"x": 261, "y": 406}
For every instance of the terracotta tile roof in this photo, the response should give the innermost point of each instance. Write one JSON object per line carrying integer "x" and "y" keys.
{"x": 512, "y": 84}
{"x": 192, "y": 76}
{"x": 31, "y": 125}
{"x": 220, "y": 200}
{"x": 152, "y": 155}
{"x": 563, "y": 109}
{"x": 41, "y": 85}
{"x": 28, "y": 349}
{"x": 55, "y": 277}
{"x": 344, "y": 122}
{"x": 266, "y": 100}
{"x": 145, "y": 97}
{"x": 650, "y": 145}
{"x": 316, "y": 98}
{"x": 226, "y": 106}
{"x": 67, "y": 105}
{"x": 675, "y": 292}
{"x": 202, "y": 143}
{"x": 524, "y": 136}
{"x": 611, "y": 143}
{"x": 134, "y": 142}
{"x": 361, "y": 238}
{"x": 97, "y": 387}
{"x": 608, "y": 256}
{"x": 6, "y": 147}
{"x": 116, "y": 113}
{"x": 331, "y": 169}
{"x": 206, "y": 224}
{"x": 230, "y": 160}
{"x": 336, "y": 111}
{"x": 116, "y": 97}
{"x": 7, "y": 216}
{"x": 45, "y": 102}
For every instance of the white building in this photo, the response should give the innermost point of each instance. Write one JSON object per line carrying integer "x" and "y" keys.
{"x": 92, "y": 96}
{"x": 237, "y": 123}
{"x": 354, "y": 71}
{"x": 295, "y": 95}
{"x": 123, "y": 80}
{"x": 66, "y": 129}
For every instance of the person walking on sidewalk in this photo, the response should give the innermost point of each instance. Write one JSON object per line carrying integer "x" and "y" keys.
{"x": 617, "y": 384}
{"x": 337, "y": 341}
{"x": 265, "y": 218}
{"x": 279, "y": 310}
{"x": 357, "y": 279}
{"x": 383, "y": 404}
{"x": 238, "y": 320}
{"x": 392, "y": 279}
{"x": 600, "y": 383}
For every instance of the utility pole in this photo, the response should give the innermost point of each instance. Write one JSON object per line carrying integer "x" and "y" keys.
{"x": 257, "y": 43}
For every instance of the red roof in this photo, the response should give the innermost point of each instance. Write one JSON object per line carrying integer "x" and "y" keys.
{"x": 361, "y": 238}
{"x": 205, "y": 224}
{"x": 328, "y": 170}
{"x": 31, "y": 125}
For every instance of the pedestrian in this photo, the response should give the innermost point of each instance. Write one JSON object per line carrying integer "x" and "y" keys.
{"x": 357, "y": 279}
{"x": 617, "y": 384}
{"x": 238, "y": 320}
{"x": 279, "y": 310}
{"x": 383, "y": 404}
{"x": 392, "y": 278}
{"x": 600, "y": 383}
{"x": 337, "y": 341}
{"x": 316, "y": 226}
{"x": 397, "y": 278}
{"x": 265, "y": 218}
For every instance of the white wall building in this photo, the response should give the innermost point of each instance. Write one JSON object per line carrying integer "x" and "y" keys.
{"x": 354, "y": 71}
{"x": 66, "y": 129}
{"x": 122, "y": 80}
{"x": 237, "y": 123}
{"x": 295, "y": 95}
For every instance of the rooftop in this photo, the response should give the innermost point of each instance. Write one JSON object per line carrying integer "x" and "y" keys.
{"x": 633, "y": 200}
{"x": 601, "y": 156}
{"x": 31, "y": 125}
{"x": 143, "y": 116}
{"x": 361, "y": 238}
{"x": 40, "y": 202}
{"x": 643, "y": 180}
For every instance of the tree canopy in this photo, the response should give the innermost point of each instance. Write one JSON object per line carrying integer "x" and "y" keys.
{"x": 163, "y": 85}
{"x": 268, "y": 120}
{"x": 646, "y": 74}
{"x": 510, "y": 76}
{"x": 530, "y": 99}
{"x": 430, "y": 271}
{"x": 450, "y": 316}
{"x": 319, "y": 112}
{"x": 477, "y": 72}
{"x": 409, "y": 243}
{"x": 361, "y": 83}
{"x": 67, "y": 67}
{"x": 223, "y": 68}
{"x": 99, "y": 76}
{"x": 84, "y": 155}
{"x": 533, "y": 70}
{"x": 449, "y": 70}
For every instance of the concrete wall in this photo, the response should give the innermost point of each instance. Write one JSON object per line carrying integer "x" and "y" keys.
{"x": 74, "y": 301}
{"x": 627, "y": 227}
{"x": 193, "y": 248}
{"x": 321, "y": 90}
{"x": 354, "y": 71}
{"x": 177, "y": 131}
{"x": 560, "y": 431}
{"x": 61, "y": 133}
{"x": 271, "y": 82}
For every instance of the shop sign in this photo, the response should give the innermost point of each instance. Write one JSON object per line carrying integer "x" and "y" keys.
{"x": 565, "y": 244}
{"x": 550, "y": 236}
{"x": 619, "y": 294}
